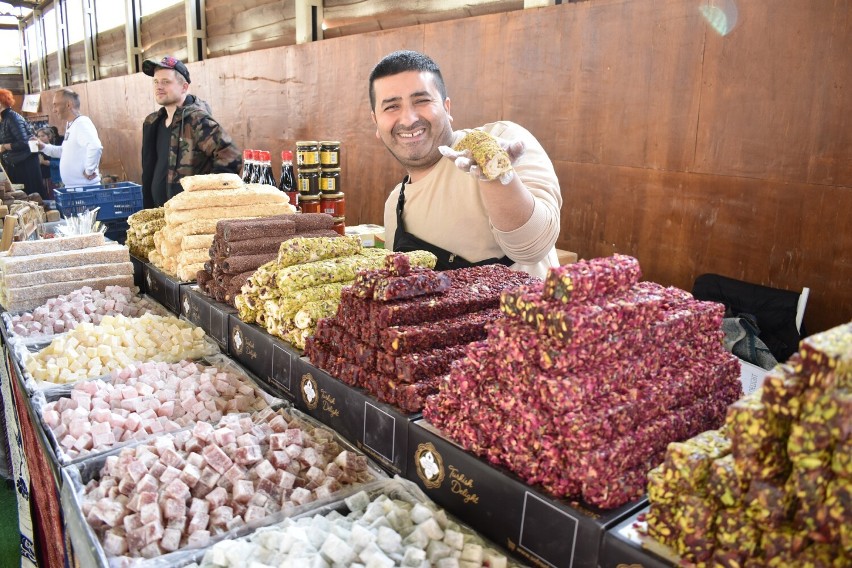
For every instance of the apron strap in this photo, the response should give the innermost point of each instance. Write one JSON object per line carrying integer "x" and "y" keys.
{"x": 406, "y": 242}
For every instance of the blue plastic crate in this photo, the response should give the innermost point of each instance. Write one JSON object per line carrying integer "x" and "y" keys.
{"x": 116, "y": 200}
{"x": 117, "y": 230}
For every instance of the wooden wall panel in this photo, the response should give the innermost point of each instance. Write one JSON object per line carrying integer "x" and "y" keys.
{"x": 775, "y": 102}
{"x": 164, "y": 33}
{"x": 680, "y": 225}
{"x": 351, "y": 17}
{"x": 78, "y": 62}
{"x": 248, "y": 26}
{"x": 112, "y": 53}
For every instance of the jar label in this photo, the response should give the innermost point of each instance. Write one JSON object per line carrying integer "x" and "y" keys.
{"x": 307, "y": 158}
{"x": 328, "y": 158}
{"x": 328, "y": 184}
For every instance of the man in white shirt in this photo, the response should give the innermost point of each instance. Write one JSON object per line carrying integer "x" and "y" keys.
{"x": 445, "y": 205}
{"x": 80, "y": 154}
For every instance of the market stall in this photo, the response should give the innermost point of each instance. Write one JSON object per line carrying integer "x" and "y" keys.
{"x": 529, "y": 417}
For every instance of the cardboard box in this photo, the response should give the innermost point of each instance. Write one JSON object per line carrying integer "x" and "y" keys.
{"x": 377, "y": 429}
{"x": 566, "y": 256}
{"x": 538, "y": 529}
{"x": 273, "y": 361}
{"x": 208, "y": 314}
{"x": 163, "y": 288}
{"x": 751, "y": 376}
{"x": 371, "y": 235}
{"x": 624, "y": 546}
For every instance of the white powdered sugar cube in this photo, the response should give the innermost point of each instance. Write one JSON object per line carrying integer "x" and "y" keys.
{"x": 337, "y": 551}
{"x": 389, "y": 540}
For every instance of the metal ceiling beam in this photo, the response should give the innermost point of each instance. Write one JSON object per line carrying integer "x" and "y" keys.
{"x": 196, "y": 30}
{"x": 90, "y": 40}
{"x": 21, "y": 4}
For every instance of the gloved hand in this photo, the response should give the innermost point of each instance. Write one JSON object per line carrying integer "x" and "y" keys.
{"x": 465, "y": 162}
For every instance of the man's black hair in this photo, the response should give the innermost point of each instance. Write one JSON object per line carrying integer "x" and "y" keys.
{"x": 401, "y": 61}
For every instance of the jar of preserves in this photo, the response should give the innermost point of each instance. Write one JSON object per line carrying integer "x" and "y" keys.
{"x": 309, "y": 203}
{"x": 329, "y": 181}
{"x": 340, "y": 225}
{"x": 293, "y": 196}
{"x": 329, "y": 152}
{"x": 308, "y": 181}
{"x": 307, "y": 153}
{"x": 333, "y": 203}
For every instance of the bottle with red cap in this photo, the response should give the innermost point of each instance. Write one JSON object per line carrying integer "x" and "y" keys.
{"x": 255, "y": 171}
{"x": 248, "y": 165}
{"x": 266, "y": 175}
{"x": 287, "y": 184}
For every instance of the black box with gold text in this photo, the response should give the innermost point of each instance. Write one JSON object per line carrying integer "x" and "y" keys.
{"x": 535, "y": 527}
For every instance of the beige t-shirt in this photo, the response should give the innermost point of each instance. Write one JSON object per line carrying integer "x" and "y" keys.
{"x": 446, "y": 209}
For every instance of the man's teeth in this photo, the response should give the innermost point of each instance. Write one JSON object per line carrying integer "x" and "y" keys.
{"x": 411, "y": 134}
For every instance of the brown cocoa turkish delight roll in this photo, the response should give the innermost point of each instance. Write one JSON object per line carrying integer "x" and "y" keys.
{"x": 241, "y": 230}
{"x": 242, "y": 263}
{"x": 203, "y": 277}
{"x": 584, "y": 280}
{"x": 313, "y": 222}
{"x": 261, "y": 245}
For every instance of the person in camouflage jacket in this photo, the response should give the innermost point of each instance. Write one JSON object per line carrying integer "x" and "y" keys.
{"x": 197, "y": 144}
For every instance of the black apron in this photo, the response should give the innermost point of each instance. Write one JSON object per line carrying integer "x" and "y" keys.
{"x": 406, "y": 242}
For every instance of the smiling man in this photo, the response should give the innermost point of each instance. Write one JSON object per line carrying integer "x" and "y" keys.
{"x": 445, "y": 204}
{"x": 182, "y": 138}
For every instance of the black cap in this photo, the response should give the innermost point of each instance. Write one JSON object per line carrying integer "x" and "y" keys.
{"x": 167, "y": 62}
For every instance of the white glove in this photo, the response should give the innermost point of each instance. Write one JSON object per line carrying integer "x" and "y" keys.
{"x": 465, "y": 162}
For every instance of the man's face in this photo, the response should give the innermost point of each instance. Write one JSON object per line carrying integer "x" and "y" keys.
{"x": 62, "y": 107}
{"x": 169, "y": 87}
{"x": 411, "y": 119}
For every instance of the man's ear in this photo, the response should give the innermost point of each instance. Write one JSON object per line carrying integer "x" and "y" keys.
{"x": 373, "y": 116}
{"x": 447, "y": 108}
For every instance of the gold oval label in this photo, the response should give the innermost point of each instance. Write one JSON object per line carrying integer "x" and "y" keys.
{"x": 430, "y": 465}
{"x": 237, "y": 340}
{"x": 310, "y": 391}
